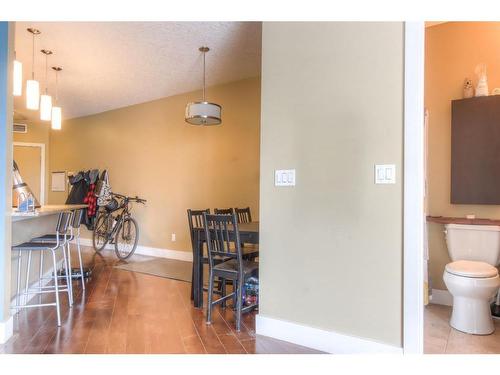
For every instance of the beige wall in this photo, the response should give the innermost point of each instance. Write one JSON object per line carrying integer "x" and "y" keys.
{"x": 332, "y": 107}
{"x": 452, "y": 51}
{"x": 150, "y": 151}
{"x": 38, "y": 132}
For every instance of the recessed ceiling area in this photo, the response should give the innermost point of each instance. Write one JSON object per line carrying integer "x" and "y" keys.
{"x": 108, "y": 65}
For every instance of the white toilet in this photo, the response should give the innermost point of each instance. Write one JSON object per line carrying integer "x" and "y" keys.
{"x": 471, "y": 277}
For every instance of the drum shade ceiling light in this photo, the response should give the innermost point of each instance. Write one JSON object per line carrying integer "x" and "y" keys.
{"x": 32, "y": 86}
{"x": 203, "y": 112}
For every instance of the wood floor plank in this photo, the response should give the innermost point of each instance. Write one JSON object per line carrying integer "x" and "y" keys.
{"x": 193, "y": 345}
{"x": 232, "y": 344}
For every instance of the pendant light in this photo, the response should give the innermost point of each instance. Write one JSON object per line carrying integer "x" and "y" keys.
{"x": 18, "y": 77}
{"x": 32, "y": 86}
{"x": 56, "y": 110}
{"x": 203, "y": 113}
{"x": 46, "y": 99}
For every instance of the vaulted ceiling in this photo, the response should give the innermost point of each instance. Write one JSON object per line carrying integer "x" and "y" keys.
{"x": 108, "y": 65}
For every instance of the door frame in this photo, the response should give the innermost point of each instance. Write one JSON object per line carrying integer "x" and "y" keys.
{"x": 42, "y": 164}
{"x": 413, "y": 201}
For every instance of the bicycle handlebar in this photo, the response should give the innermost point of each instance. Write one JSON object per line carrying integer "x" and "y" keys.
{"x": 133, "y": 199}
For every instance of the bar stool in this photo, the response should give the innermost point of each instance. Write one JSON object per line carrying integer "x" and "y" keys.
{"x": 73, "y": 236}
{"x": 61, "y": 240}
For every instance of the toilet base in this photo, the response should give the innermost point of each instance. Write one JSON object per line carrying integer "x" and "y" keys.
{"x": 472, "y": 316}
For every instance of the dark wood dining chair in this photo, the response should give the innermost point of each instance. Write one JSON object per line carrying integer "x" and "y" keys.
{"x": 223, "y": 241}
{"x": 223, "y": 211}
{"x": 244, "y": 215}
{"x": 196, "y": 220}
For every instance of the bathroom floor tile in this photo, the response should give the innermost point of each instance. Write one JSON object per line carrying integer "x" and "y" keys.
{"x": 440, "y": 338}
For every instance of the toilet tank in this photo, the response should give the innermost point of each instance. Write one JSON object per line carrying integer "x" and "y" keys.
{"x": 473, "y": 242}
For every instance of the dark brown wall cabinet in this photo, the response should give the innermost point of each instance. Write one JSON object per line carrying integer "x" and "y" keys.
{"x": 475, "y": 150}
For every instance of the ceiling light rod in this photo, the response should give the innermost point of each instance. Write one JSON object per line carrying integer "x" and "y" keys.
{"x": 33, "y": 32}
{"x": 33, "y": 86}
{"x": 57, "y": 69}
{"x": 204, "y": 50}
{"x": 47, "y": 53}
{"x": 56, "y": 109}
{"x": 46, "y": 99}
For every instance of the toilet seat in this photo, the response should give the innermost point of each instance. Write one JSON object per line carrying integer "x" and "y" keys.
{"x": 472, "y": 269}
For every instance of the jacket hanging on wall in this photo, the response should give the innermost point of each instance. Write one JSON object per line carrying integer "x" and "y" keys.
{"x": 82, "y": 192}
{"x": 78, "y": 190}
{"x": 90, "y": 198}
{"x": 103, "y": 190}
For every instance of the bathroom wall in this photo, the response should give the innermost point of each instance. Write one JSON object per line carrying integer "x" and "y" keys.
{"x": 452, "y": 51}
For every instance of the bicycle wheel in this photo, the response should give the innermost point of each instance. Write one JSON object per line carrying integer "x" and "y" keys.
{"x": 126, "y": 238}
{"x": 100, "y": 233}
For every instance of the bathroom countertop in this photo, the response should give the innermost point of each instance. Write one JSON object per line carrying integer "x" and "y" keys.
{"x": 45, "y": 211}
{"x": 462, "y": 220}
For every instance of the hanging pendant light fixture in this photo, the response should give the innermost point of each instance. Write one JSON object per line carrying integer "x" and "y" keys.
{"x": 18, "y": 77}
{"x": 32, "y": 86}
{"x": 46, "y": 99}
{"x": 203, "y": 113}
{"x": 56, "y": 110}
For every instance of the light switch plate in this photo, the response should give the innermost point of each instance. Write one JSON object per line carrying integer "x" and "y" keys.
{"x": 385, "y": 174}
{"x": 284, "y": 177}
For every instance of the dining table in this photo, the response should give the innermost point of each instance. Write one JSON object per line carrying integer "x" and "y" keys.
{"x": 249, "y": 234}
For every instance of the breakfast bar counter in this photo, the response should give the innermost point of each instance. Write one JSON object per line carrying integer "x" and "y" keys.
{"x": 45, "y": 210}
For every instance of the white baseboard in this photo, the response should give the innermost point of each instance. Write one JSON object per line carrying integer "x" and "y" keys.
{"x": 441, "y": 297}
{"x": 6, "y": 330}
{"x": 326, "y": 341}
{"x": 150, "y": 251}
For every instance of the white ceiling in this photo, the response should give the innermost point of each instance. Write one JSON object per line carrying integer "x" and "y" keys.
{"x": 108, "y": 65}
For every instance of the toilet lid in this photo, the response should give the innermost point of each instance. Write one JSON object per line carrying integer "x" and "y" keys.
{"x": 469, "y": 268}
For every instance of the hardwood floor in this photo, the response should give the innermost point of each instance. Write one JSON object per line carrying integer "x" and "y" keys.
{"x": 129, "y": 312}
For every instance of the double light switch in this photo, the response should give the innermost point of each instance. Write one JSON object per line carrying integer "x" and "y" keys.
{"x": 284, "y": 177}
{"x": 385, "y": 174}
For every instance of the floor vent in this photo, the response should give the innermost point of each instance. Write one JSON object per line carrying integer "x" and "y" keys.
{"x": 20, "y": 128}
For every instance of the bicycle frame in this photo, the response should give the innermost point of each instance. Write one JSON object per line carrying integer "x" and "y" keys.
{"x": 119, "y": 219}
{"x": 111, "y": 227}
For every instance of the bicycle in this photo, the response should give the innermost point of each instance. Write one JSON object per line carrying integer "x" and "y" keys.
{"x": 120, "y": 229}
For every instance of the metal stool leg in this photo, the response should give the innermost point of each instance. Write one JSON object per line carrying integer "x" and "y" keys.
{"x": 40, "y": 274}
{"x": 65, "y": 265}
{"x": 18, "y": 291}
{"x": 27, "y": 285}
{"x": 80, "y": 258}
{"x": 56, "y": 285}
{"x": 70, "y": 277}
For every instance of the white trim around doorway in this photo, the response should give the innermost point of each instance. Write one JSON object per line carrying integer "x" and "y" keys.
{"x": 413, "y": 211}
{"x": 42, "y": 165}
